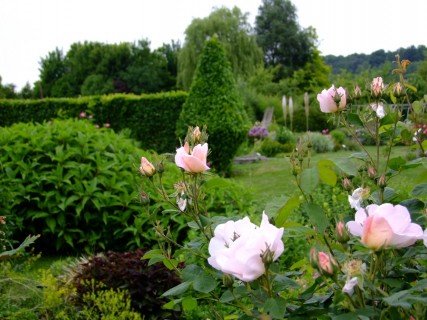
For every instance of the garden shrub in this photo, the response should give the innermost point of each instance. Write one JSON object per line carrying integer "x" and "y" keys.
{"x": 213, "y": 101}
{"x": 271, "y": 148}
{"x": 317, "y": 120}
{"x": 157, "y": 112}
{"x": 320, "y": 143}
{"x": 127, "y": 270}
{"x": 284, "y": 136}
{"x": 74, "y": 184}
{"x": 108, "y": 305}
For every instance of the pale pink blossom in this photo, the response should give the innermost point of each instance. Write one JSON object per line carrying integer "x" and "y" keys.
{"x": 349, "y": 286}
{"x": 237, "y": 247}
{"x": 384, "y": 226}
{"x": 327, "y": 264}
{"x": 147, "y": 168}
{"x": 356, "y": 199}
{"x": 377, "y": 86}
{"x": 379, "y": 109}
{"x": 332, "y": 100}
{"x": 193, "y": 161}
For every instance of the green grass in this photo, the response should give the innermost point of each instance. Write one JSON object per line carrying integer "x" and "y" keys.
{"x": 272, "y": 178}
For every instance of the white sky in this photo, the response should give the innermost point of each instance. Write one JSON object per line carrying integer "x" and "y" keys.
{"x": 30, "y": 29}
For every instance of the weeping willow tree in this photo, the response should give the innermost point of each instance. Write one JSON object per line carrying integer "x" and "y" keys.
{"x": 233, "y": 31}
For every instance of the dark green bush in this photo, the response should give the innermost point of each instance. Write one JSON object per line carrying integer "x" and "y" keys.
{"x": 112, "y": 270}
{"x": 317, "y": 120}
{"x": 74, "y": 184}
{"x": 150, "y": 117}
{"x": 213, "y": 101}
{"x": 271, "y": 148}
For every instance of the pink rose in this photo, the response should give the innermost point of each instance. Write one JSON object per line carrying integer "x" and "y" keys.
{"x": 332, "y": 100}
{"x": 146, "y": 168}
{"x": 238, "y": 246}
{"x": 377, "y": 86}
{"x": 383, "y": 226}
{"x": 192, "y": 160}
{"x": 327, "y": 264}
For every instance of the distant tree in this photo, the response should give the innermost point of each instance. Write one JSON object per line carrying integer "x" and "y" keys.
{"x": 147, "y": 71}
{"x": 170, "y": 52}
{"x": 52, "y": 68}
{"x": 213, "y": 101}
{"x": 92, "y": 68}
{"x": 284, "y": 42}
{"x": 235, "y": 34}
{"x": 7, "y": 91}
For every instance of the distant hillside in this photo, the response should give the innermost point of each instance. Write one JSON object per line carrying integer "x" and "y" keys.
{"x": 356, "y": 62}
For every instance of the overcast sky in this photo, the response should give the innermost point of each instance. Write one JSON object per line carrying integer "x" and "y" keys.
{"x": 30, "y": 29}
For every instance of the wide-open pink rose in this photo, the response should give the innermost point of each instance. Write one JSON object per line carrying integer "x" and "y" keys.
{"x": 237, "y": 247}
{"x": 192, "y": 160}
{"x": 328, "y": 99}
{"x": 385, "y": 226}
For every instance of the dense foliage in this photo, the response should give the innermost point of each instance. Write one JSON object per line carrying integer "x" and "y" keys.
{"x": 235, "y": 34}
{"x": 358, "y": 62}
{"x": 284, "y": 42}
{"x": 157, "y": 112}
{"x": 127, "y": 271}
{"x": 74, "y": 184}
{"x": 95, "y": 68}
{"x": 213, "y": 101}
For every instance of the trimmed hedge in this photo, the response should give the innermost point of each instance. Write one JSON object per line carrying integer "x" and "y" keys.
{"x": 150, "y": 117}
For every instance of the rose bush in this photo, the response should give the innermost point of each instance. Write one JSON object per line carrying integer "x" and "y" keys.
{"x": 356, "y": 268}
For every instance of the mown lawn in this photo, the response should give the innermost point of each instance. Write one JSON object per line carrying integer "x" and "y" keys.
{"x": 272, "y": 178}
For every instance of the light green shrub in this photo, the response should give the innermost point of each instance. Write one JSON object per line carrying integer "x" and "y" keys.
{"x": 74, "y": 184}
{"x": 320, "y": 143}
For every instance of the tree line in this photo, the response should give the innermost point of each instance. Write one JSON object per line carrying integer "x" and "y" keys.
{"x": 276, "y": 56}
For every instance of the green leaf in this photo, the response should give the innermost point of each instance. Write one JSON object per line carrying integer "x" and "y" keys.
{"x": 327, "y": 173}
{"x": 284, "y": 212}
{"x": 191, "y": 272}
{"x": 396, "y": 163}
{"x": 353, "y": 118}
{"x": 204, "y": 283}
{"x": 189, "y": 303}
{"x": 309, "y": 180}
{"x": 27, "y": 242}
{"x": 347, "y": 166}
{"x": 227, "y": 296}
{"x": 276, "y": 307}
{"x": 411, "y": 87}
{"x": 51, "y": 223}
{"x": 170, "y": 263}
{"x": 359, "y": 155}
{"x": 171, "y": 304}
{"x": 317, "y": 216}
{"x": 413, "y": 205}
{"x": 419, "y": 189}
{"x": 177, "y": 290}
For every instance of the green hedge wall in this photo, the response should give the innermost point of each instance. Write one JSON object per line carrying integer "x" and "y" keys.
{"x": 150, "y": 117}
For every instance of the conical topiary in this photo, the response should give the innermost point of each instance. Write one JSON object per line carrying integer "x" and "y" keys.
{"x": 213, "y": 101}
